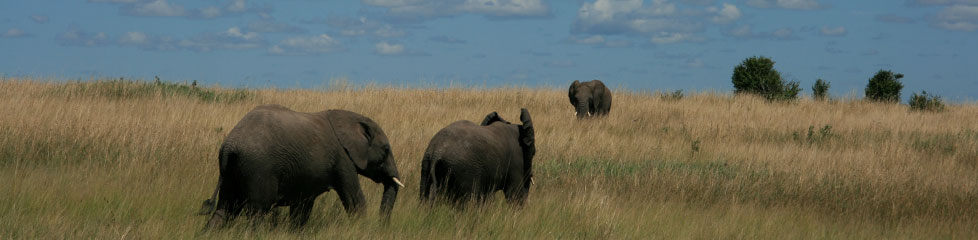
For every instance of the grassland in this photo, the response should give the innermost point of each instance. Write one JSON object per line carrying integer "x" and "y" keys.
{"x": 118, "y": 159}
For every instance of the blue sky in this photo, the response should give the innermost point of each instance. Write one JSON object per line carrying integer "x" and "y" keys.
{"x": 634, "y": 44}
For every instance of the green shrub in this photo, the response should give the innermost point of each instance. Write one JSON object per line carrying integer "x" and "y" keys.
{"x": 756, "y": 75}
{"x": 926, "y": 102}
{"x": 885, "y": 87}
{"x": 129, "y": 89}
{"x": 675, "y": 95}
{"x": 820, "y": 89}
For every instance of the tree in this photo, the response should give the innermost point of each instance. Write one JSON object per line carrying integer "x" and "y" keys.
{"x": 885, "y": 87}
{"x": 756, "y": 75}
{"x": 820, "y": 89}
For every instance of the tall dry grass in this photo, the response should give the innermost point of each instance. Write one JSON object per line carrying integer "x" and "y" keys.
{"x": 106, "y": 159}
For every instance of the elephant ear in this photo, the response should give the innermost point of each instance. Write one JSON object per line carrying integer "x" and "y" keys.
{"x": 359, "y": 153}
{"x": 526, "y": 130}
{"x": 573, "y": 91}
{"x": 491, "y": 118}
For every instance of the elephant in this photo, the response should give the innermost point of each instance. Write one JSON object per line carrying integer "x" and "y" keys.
{"x": 278, "y": 157}
{"x": 465, "y": 160}
{"x": 589, "y": 98}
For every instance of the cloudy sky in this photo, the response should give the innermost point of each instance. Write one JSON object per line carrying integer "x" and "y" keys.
{"x": 634, "y": 44}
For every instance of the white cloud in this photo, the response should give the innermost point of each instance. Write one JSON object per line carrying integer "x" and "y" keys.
{"x": 634, "y": 18}
{"x": 893, "y": 18}
{"x": 743, "y": 31}
{"x": 694, "y": 63}
{"x": 236, "y": 32}
{"x": 352, "y": 32}
{"x": 163, "y": 8}
{"x": 957, "y": 18}
{"x": 306, "y": 45}
{"x": 211, "y": 12}
{"x": 698, "y": 2}
{"x": 833, "y": 31}
{"x": 618, "y": 43}
{"x": 605, "y": 10}
{"x": 669, "y": 38}
{"x": 786, "y": 4}
{"x": 384, "y": 48}
{"x": 237, "y": 6}
{"x": 156, "y": 8}
{"x": 352, "y": 27}
{"x": 388, "y": 31}
{"x": 728, "y": 13}
{"x": 783, "y": 33}
{"x": 148, "y": 42}
{"x": 746, "y": 32}
{"x": 39, "y": 18}
{"x": 595, "y": 39}
{"x": 115, "y": 1}
{"x": 944, "y": 2}
{"x": 134, "y": 38}
{"x": 505, "y": 7}
{"x": 233, "y": 38}
{"x": 423, "y": 9}
{"x": 14, "y": 33}
{"x": 77, "y": 37}
{"x": 271, "y": 26}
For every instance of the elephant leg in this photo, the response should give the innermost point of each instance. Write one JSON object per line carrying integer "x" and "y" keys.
{"x": 220, "y": 217}
{"x": 426, "y": 179}
{"x": 515, "y": 197}
{"x": 261, "y": 195}
{"x": 348, "y": 189}
{"x": 299, "y": 212}
{"x": 228, "y": 207}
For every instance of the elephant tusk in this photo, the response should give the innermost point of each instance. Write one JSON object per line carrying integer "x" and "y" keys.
{"x": 531, "y": 182}
{"x": 398, "y": 182}
{"x": 588, "y": 113}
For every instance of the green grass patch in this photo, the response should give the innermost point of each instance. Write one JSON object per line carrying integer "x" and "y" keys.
{"x": 122, "y": 89}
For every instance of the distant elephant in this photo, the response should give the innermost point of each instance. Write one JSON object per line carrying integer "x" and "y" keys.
{"x": 590, "y": 98}
{"x": 279, "y": 157}
{"x": 466, "y": 160}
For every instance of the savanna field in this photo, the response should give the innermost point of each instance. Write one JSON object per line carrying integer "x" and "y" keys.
{"x": 109, "y": 159}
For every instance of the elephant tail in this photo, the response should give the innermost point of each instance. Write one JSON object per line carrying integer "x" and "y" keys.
{"x": 210, "y": 205}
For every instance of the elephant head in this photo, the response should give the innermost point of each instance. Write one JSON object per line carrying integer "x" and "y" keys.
{"x": 580, "y": 98}
{"x": 371, "y": 153}
{"x": 526, "y": 141}
{"x": 529, "y": 147}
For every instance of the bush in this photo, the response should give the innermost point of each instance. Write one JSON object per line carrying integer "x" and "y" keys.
{"x": 673, "y": 96}
{"x": 122, "y": 89}
{"x": 885, "y": 86}
{"x": 756, "y": 75}
{"x": 820, "y": 89}
{"x": 926, "y": 102}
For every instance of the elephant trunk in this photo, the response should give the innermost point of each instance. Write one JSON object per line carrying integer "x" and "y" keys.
{"x": 391, "y": 187}
{"x": 582, "y": 109}
{"x": 392, "y": 184}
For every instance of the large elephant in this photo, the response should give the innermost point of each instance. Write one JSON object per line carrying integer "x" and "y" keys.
{"x": 466, "y": 160}
{"x": 589, "y": 98}
{"x": 279, "y": 157}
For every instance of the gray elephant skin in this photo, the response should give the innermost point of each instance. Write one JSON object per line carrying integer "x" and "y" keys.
{"x": 465, "y": 160}
{"x": 278, "y": 157}
{"x": 590, "y": 98}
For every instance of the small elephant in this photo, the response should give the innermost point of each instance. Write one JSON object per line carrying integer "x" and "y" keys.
{"x": 278, "y": 157}
{"x": 589, "y": 98}
{"x": 465, "y": 160}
